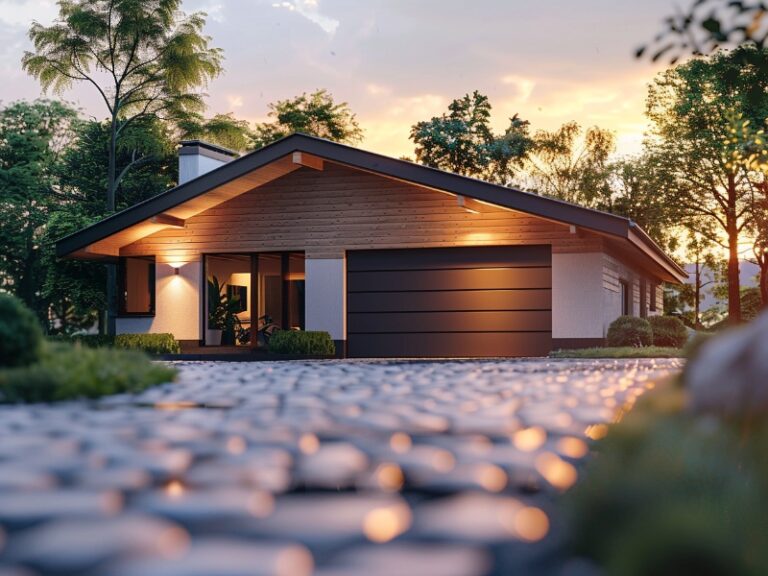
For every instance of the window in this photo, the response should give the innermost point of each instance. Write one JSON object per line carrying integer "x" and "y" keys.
{"x": 654, "y": 288}
{"x": 643, "y": 298}
{"x": 626, "y": 308}
{"x": 136, "y": 281}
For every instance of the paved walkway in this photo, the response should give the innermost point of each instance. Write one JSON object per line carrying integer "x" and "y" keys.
{"x": 334, "y": 468}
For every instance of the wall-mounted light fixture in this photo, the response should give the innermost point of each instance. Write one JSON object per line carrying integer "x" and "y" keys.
{"x": 469, "y": 204}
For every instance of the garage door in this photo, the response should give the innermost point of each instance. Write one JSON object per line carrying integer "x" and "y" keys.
{"x": 450, "y": 302}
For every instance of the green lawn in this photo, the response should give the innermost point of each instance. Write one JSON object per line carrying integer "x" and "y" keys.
{"x": 622, "y": 352}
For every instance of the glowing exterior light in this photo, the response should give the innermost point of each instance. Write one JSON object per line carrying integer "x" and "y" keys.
{"x": 383, "y": 524}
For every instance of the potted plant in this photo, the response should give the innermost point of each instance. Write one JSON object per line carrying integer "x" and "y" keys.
{"x": 223, "y": 322}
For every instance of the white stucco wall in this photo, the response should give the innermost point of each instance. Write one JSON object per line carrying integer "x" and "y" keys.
{"x": 326, "y": 289}
{"x": 177, "y": 304}
{"x": 577, "y": 295}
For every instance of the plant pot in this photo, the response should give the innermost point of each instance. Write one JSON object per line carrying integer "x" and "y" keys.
{"x": 213, "y": 337}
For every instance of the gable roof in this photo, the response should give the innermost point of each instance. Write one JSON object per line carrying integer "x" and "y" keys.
{"x": 264, "y": 160}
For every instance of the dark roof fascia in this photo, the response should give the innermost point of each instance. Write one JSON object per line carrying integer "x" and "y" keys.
{"x": 400, "y": 169}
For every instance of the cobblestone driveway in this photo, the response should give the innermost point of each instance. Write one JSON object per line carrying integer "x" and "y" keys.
{"x": 334, "y": 468}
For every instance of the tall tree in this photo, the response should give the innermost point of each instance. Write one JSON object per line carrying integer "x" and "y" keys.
{"x": 571, "y": 164}
{"x": 32, "y": 138}
{"x": 696, "y": 109}
{"x": 462, "y": 141}
{"x": 145, "y": 58}
{"x": 636, "y": 186}
{"x": 316, "y": 114}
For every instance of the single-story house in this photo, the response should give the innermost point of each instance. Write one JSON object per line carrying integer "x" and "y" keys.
{"x": 392, "y": 258}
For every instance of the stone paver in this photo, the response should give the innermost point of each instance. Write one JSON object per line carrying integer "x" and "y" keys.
{"x": 326, "y": 467}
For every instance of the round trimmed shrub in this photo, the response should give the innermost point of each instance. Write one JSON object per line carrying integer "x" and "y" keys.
{"x": 668, "y": 331}
{"x": 629, "y": 331}
{"x": 20, "y": 335}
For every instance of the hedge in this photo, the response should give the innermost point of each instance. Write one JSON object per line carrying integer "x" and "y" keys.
{"x": 668, "y": 331}
{"x": 21, "y": 337}
{"x": 302, "y": 342}
{"x": 149, "y": 343}
{"x": 629, "y": 331}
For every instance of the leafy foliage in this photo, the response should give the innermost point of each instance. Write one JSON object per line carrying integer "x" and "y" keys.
{"x": 462, "y": 141}
{"x": 571, "y": 164}
{"x": 672, "y": 494}
{"x": 707, "y": 25}
{"x": 32, "y": 138}
{"x": 668, "y": 331}
{"x": 316, "y": 114}
{"x": 629, "y": 331}
{"x": 697, "y": 110}
{"x": 67, "y": 371}
{"x": 635, "y": 192}
{"x": 20, "y": 335}
{"x": 149, "y": 343}
{"x": 223, "y": 310}
{"x": 145, "y": 59}
{"x": 302, "y": 342}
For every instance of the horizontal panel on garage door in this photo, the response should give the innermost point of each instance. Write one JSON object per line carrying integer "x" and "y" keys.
{"x": 435, "y": 258}
{"x": 483, "y": 344}
{"x": 457, "y": 300}
{"x": 430, "y": 322}
{"x": 475, "y": 279}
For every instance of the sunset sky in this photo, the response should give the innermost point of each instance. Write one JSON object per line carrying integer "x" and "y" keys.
{"x": 400, "y": 61}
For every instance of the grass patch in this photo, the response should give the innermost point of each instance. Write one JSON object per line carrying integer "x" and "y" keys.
{"x": 620, "y": 352}
{"x": 67, "y": 371}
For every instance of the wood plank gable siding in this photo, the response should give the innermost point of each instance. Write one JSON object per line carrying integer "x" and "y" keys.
{"x": 340, "y": 208}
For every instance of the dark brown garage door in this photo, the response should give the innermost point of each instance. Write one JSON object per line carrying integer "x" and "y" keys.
{"x": 449, "y": 302}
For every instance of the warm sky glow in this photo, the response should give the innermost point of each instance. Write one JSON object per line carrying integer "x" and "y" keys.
{"x": 400, "y": 61}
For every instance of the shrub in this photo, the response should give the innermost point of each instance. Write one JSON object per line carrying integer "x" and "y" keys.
{"x": 67, "y": 371}
{"x": 21, "y": 337}
{"x": 668, "y": 331}
{"x": 87, "y": 340}
{"x": 149, "y": 343}
{"x": 300, "y": 342}
{"x": 629, "y": 331}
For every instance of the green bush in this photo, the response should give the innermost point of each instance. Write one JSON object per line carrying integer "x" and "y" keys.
{"x": 149, "y": 343}
{"x": 67, "y": 371}
{"x": 673, "y": 494}
{"x": 629, "y": 331}
{"x": 668, "y": 331}
{"x": 300, "y": 342}
{"x": 87, "y": 340}
{"x": 21, "y": 337}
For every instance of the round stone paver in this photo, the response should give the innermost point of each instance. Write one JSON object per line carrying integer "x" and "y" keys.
{"x": 331, "y": 468}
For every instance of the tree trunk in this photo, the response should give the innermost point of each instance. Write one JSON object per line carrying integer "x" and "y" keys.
{"x": 764, "y": 281}
{"x": 734, "y": 289}
{"x": 111, "y": 193}
{"x": 697, "y": 298}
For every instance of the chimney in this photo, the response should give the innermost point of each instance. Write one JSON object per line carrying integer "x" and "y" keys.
{"x": 197, "y": 157}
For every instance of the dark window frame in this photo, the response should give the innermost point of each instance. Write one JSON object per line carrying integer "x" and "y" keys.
{"x": 643, "y": 298}
{"x": 625, "y": 295}
{"x": 121, "y": 287}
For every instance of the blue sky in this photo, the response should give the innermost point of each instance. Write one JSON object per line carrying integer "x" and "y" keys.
{"x": 400, "y": 61}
